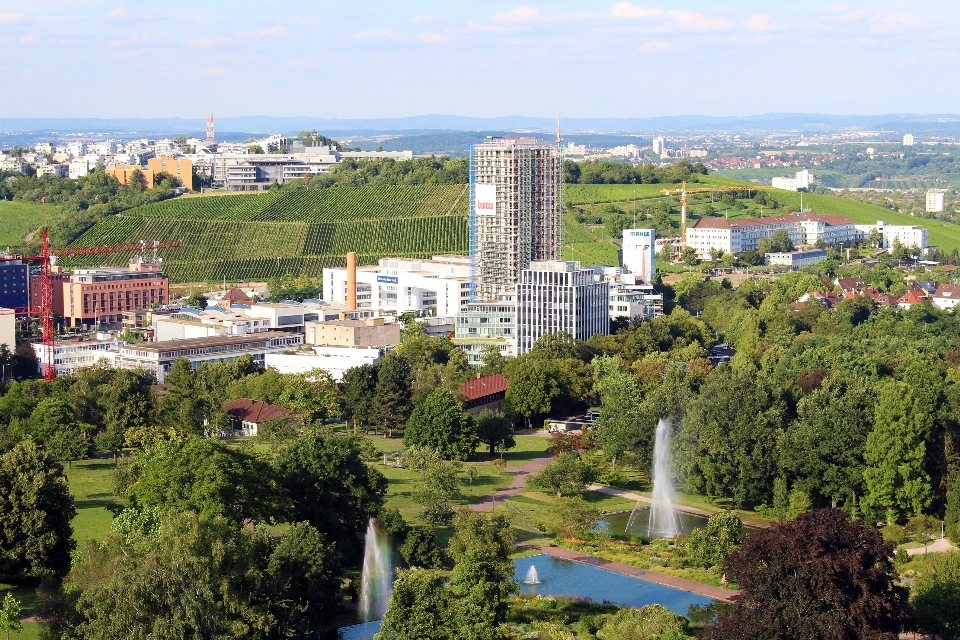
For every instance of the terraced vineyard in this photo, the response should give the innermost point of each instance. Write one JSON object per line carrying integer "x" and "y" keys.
{"x": 253, "y": 237}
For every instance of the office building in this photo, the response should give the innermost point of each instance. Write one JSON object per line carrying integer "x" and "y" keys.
{"x": 439, "y": 286}
{"x": 514, "y": 211}
{"x": 158, "y": 357}
{"x": 14, "y": 285}
{"x": 8, "y": 331}
{"x": 795, "y": 259}
{"x": 907, "y": 235}
{"x": 334, "y": 360}
{"x": 934, "y": 200}
{"x": 908, "y": 140}
{"x": 492, "y": 323}
{"x": 639, "y": 252}
{"x": 125, "y": 172}
{"x": 555, "y": 295}
{"x": 74, "y": 354}
{"x": 631, "y": 297}
{"x": 179, "y": 168}
{"x": 737, "y": 236}
{"x": 98, "y": 297}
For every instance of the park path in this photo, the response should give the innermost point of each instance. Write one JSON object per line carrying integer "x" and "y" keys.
{"x": 941, "y": 544}
{"x": 611, "y": 491}
{"x": 717, "y": 593}
{"x": 519, "y": 483}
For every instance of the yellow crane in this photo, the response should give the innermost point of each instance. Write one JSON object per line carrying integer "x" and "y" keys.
{"x": 683, "y": 191}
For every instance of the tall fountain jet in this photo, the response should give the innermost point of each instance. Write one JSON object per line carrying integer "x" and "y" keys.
{"x": 376, "y": 581}
{"x": 663, "y": 519}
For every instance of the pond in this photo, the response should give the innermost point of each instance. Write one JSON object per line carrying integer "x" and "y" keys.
{"x": 616, "y": 524}
{"x": 561, "y": 577}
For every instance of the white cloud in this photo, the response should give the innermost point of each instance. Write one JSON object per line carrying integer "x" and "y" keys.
{"x": 270, "y": 31}
{"x": 375, "y": 36}
{"x": 119, "y": 14}
{"x": 761, "y": 24}
{"x": 14, "y": 18}
{"x": 433, "y": 37}
{"x": 655, "y": 46}
{"x": 519, "y": 14}
{"x": 681, "y": 19}
{"x": 895, "y": 23}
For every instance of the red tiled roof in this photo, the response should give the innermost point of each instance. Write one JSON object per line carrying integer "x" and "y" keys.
{"x": 255, "y": 411}
{"x": 485, "y": 386}
{"x": 914, "y": 296}
{"x": 236, "y": 296}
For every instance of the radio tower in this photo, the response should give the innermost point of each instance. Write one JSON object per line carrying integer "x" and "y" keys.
{"x": 210, "y": 128}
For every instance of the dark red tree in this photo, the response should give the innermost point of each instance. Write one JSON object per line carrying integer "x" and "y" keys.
{"x": 823, "y": 576}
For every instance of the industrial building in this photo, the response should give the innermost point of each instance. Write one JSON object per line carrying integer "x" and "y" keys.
{"x": 369, "y": 332}
{"x": 515, "y": 218}
{"x": 440, "y": 285}
{"x": 795, "y": 259}
{"x": 639, "y": 252}
{"x": 334, "y": 360}
{"x": 555, "y": 295}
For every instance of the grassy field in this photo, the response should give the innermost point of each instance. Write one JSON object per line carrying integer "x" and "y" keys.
{"x": 91, "y": 484}
{"x": 18, "y": 219}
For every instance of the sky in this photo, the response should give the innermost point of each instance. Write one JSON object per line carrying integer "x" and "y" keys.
{"x": 483, "y": 58}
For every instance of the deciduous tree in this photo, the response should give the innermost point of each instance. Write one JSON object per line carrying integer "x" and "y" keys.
{"x": 440, "y": 422}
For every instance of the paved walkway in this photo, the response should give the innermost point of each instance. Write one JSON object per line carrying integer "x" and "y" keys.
{"x": 519, "y": 483}
{"x": 754, "y": 524}
{"x": 940, "y": 544}
{"x": 717, "y": 593}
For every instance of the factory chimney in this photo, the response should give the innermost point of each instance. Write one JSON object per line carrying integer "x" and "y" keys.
{"x": 352, "y": 281}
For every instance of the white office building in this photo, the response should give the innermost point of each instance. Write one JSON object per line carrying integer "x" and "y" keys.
{"x": 800, "y": 181}
{"x": 555, "y": 295}
{"x": 334, "y": 360}
{"x": 908, "y": 140}
{"x": 795, "y": 259}
{"x": 639, "y": 252}
{"x": 935, "y": 200}
{"x": 480, "y": 324}
{"x": 907, "y": 235}
{"x": 71, "y": 355}
{"x": 399, "y": 285}
{"x": 737, "y": 236}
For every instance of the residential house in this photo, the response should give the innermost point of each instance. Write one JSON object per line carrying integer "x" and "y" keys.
{"x": 946, "y": 296}
{"x": 247, "y": 415}
{"x": 487, "y": 392}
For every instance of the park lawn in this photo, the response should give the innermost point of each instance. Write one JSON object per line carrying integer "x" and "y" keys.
{"x": 91, "y": 484}
{"x": 18, "y": 219}
{"x": 403, "y": 483}
{"x": 528, "y": 448}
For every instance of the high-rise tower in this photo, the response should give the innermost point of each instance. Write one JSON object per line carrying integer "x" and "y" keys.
{"x": 210, "y": 134}
{"x": 515, "y": 211}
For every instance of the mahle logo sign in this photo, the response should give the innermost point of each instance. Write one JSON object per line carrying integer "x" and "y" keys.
{"x": 640, "y": 234}
{"x": 486, "y": 195}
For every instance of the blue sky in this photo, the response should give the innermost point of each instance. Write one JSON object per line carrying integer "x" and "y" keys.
{"x": 355, "y": 59}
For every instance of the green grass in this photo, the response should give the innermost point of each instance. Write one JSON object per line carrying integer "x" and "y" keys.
{"x": 91, "y": 484}
{"x": 17, "y": 219}
{"x": 528, "y": 448}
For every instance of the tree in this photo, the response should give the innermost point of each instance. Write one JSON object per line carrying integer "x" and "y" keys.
{"x": 566, "y": 474}
{"x": 35, "y": 514}
{"x": 392, "y": 406}
{"x": 312, "y": 395}
{"x": 68, "y": 444}
{"x": 491, "y": 360}
{"x": 713, "y": 543}
{"x": 937, "y": 600}
{"x": 923, "y": 527}
{"x": 197, "y": 301}
{"x": 532, "y": 389}
{"x": 10, "y": 615}
{"x": 330, "y": 485}
{"x": 952, "y": 513}
{"x": 823, "y": 575}
{"x": 440, "y": 423}
{"x": 574, "y": 517}
{"x": 419, "y": 607}
{"x": 420, "y": 548}
{"x": 895, "y": 477}
{"x": 779, "y": 242}
{"x": 651, "y": 622}
{"x": 689, "y": 256}
{"x": 359, "y": 387}
{"x": 277, "y": 431}
{"x": 438, "y": 486}
{"x": 51, "y": 415}
{"x": 208, "y": 478}
{"x": 495, "y": 430}
{"x": 482, "y": 579}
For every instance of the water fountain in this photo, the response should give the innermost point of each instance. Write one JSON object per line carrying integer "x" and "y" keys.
{"x": 532, "y": 577}
{"x": 663, "y": 519}
{"x": 376, "y": 581}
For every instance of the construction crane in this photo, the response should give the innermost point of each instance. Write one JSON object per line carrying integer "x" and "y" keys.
{"x": 45, "y": 309}
{"x": 683, "y": 191}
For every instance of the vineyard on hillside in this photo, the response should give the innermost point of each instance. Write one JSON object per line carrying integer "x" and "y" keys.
{"x": 254, "y": 237}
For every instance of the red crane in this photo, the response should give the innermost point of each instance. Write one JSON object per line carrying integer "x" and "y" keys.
{"x": 45, "y": 309}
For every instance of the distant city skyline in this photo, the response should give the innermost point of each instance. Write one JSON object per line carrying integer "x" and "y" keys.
{"x": 612, "y": 59}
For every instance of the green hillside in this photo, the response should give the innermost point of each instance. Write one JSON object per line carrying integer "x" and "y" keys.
{"x": 18, "y": 219}
{"x": 299, "y": 232}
